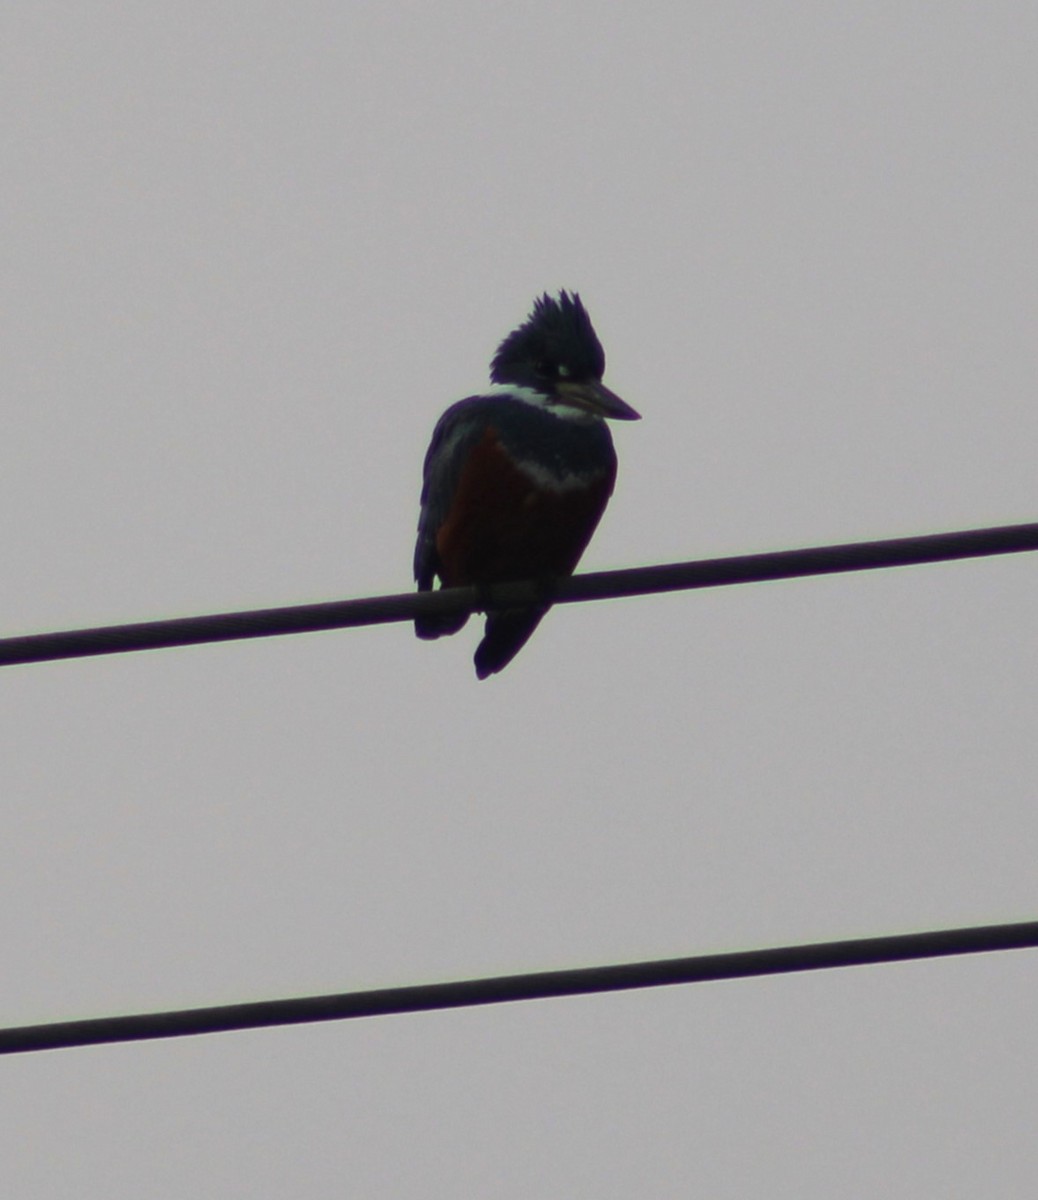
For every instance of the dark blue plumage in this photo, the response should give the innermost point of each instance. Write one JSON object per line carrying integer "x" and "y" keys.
{"x": 515, "y": 480}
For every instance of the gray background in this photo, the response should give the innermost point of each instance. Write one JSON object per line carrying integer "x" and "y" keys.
{"x": 250, "y": 252}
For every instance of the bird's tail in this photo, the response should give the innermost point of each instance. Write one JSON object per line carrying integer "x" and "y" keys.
{"x": 505, "y": 635}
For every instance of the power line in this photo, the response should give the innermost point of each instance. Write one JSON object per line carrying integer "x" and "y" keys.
{"x": 537, "y": 986}
{"x": 603, "y": 585}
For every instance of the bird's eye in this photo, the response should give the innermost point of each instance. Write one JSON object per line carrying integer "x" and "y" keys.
{"x": 547, "y": 368}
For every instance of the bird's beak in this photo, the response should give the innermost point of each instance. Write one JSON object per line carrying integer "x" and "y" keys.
{"x": 596, "y": 398}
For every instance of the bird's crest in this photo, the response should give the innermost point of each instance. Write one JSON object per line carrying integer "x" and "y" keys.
{"x": 559, "y": 332}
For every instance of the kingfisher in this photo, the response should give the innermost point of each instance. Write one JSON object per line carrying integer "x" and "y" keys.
{"x": 517, "y": 477}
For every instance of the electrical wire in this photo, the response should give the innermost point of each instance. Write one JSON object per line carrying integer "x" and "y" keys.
{"x": 603, "y": 585}
{"x": 535, "y": 986}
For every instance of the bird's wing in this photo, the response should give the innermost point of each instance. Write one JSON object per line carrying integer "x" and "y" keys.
{"x": 459, "y": 429}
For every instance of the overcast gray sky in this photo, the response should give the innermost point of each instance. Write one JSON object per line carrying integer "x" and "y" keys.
{"x": 250, "y": 252}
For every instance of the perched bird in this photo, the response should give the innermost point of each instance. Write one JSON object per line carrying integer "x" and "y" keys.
{"x": 516, "y": 478}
